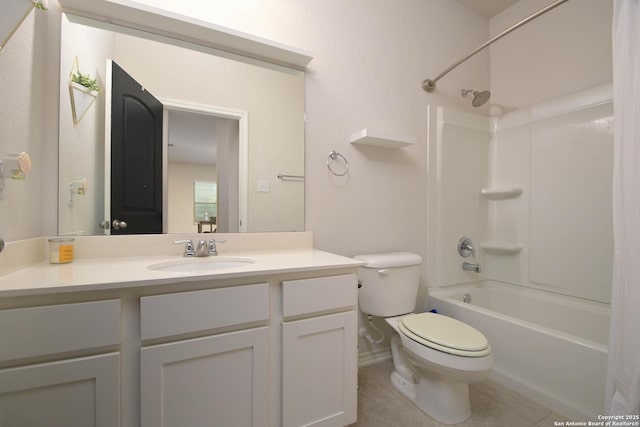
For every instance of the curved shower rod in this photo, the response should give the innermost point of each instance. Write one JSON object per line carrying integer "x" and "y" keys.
{"x": 430, "y": 84}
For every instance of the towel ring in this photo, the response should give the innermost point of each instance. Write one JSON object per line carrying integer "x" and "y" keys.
{"x": 333, "y": 155}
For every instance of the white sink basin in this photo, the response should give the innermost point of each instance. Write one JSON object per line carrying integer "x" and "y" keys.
{"x": 201, "y": 265}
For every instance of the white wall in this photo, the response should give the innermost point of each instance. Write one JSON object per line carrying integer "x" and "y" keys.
{"x": 565, "y": 50}
{"x": 23, "y": 80}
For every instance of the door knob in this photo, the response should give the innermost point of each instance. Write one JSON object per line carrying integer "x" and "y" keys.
{"x": 117, "y": 225}
{"x": 104, "y": 224}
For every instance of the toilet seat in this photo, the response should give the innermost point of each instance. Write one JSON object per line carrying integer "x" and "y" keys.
{"x": 445, "y": 334}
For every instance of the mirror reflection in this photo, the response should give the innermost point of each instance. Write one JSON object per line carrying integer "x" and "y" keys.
{"x": 231, "y": 123}
{"x": 13, "y": 12}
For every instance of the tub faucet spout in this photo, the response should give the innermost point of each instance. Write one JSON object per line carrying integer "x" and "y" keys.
{"x": 471, "y": 267}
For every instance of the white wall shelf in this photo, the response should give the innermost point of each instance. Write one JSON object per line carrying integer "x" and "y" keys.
{"x": 501, "y": 193}
{"x": 162, "y": 22}
{"x": 501, "y": 248}
{"x": 379, "y": 138}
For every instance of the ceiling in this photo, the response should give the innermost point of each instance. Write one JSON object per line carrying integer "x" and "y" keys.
{"x": 192, "y": 137}
{"x": 487, "y": 8}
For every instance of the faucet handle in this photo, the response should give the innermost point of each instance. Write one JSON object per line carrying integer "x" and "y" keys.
{"x": 213, "y": 250}
{"x": 188, "y": 247}
{"x": 465, "y": 247}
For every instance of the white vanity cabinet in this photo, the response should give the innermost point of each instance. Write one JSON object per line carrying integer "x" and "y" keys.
{"x": 56, "y": 371}
{"x": 319, "y": 351}
{"x": 115, "y": 344}
{"x": 217, "y": 378}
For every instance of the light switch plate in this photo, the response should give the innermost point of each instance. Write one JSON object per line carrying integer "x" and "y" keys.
{"x": 263, "y": 185}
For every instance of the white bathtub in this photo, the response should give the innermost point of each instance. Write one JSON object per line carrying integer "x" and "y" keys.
{"x": 548, "y": 347}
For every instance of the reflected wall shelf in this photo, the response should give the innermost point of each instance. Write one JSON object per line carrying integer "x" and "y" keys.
{"x": 379, "y": 138}
{"x": 501, "y": 248}
{"x": 501, "y": 193}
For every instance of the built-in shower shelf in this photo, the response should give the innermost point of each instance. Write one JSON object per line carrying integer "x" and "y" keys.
{"x": 380, "y": 138}
{"x": 501, "y": 193}
{"x": 501, "y": 248}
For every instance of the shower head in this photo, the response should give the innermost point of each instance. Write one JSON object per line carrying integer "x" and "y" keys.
{"x": 479, "y": 98}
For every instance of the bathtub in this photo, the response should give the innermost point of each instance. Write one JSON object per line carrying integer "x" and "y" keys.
{"x": 548, "y": 347}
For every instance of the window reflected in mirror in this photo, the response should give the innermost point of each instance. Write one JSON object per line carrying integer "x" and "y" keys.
{"x": 205, "y": 202}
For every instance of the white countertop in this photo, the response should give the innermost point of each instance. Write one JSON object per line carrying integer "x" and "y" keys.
{"x": 92, "y": 274}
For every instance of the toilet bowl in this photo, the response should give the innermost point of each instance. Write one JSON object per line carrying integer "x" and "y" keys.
{"x": 435, "y": 357}
{"x": 437, "y": 381}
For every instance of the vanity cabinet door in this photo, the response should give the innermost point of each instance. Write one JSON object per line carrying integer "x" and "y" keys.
{"x": 219, "y": 380}
{"x": 319, "y": 371}
{"x": 80, "y": 392}
{"x": 320, "y": 350}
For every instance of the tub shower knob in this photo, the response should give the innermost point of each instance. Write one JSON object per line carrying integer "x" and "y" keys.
{"x": 465, "y": 247}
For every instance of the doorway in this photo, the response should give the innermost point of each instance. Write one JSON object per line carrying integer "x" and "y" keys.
{"x": 206, "y": 145}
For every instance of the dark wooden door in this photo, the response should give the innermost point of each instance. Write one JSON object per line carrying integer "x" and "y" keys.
{"x": 136, "y": 157}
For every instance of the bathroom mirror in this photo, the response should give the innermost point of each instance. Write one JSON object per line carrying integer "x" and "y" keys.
{"x": 257, "y": 107}
{"x": 13, "y": 12}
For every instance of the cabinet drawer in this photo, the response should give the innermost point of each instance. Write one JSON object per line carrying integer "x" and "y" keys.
{"x": 195, "y": 311}
{"x": 307, "y": 296}
{"x": 39, "y": 331}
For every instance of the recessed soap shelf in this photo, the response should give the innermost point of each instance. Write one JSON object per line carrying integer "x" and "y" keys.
{"x": 500, "y": 193}
{"x": 501, "y": 248}
{"x": 380, "y": 138}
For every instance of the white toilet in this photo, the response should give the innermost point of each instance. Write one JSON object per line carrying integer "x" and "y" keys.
{"x": 435, "y": 357}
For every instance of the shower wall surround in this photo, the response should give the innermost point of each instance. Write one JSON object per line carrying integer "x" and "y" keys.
{"x": 561, "y": 152}
{"x": 458, "y": 164}
{"x": 556, "y": 235}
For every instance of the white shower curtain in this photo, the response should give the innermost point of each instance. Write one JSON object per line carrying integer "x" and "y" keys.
{"x": 623, "y": 382}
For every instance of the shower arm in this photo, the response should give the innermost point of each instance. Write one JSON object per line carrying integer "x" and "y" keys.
{"x": 429, "y": 85}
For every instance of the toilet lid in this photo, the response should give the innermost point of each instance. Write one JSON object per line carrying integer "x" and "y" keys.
{"x": 445, "y": 334}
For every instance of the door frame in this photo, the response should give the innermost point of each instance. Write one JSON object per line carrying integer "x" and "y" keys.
{"x": 243, "y": 149}
{"x": 107, "y": 150}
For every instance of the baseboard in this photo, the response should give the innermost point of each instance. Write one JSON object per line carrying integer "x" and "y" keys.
{"x": 374, "y": 356}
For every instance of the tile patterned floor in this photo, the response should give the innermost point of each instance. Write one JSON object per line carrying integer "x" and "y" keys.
{"x": 492, "y": 405}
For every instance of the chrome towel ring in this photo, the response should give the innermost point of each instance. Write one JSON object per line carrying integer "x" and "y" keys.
{"x": 333, "y": 155}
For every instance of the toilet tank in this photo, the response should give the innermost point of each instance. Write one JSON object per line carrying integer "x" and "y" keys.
{"x": 389, "y": 283}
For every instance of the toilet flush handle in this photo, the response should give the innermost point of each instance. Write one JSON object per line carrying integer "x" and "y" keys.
{"x": 383, "y": 272}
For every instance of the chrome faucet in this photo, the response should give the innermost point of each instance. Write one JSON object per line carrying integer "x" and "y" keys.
{"x": 471, "y": 267}
{"x": 202, "y": 249}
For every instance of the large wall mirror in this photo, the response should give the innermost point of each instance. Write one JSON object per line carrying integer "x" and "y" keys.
{"x": 237, "y": 124}
{"x": 13, "y": 12}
